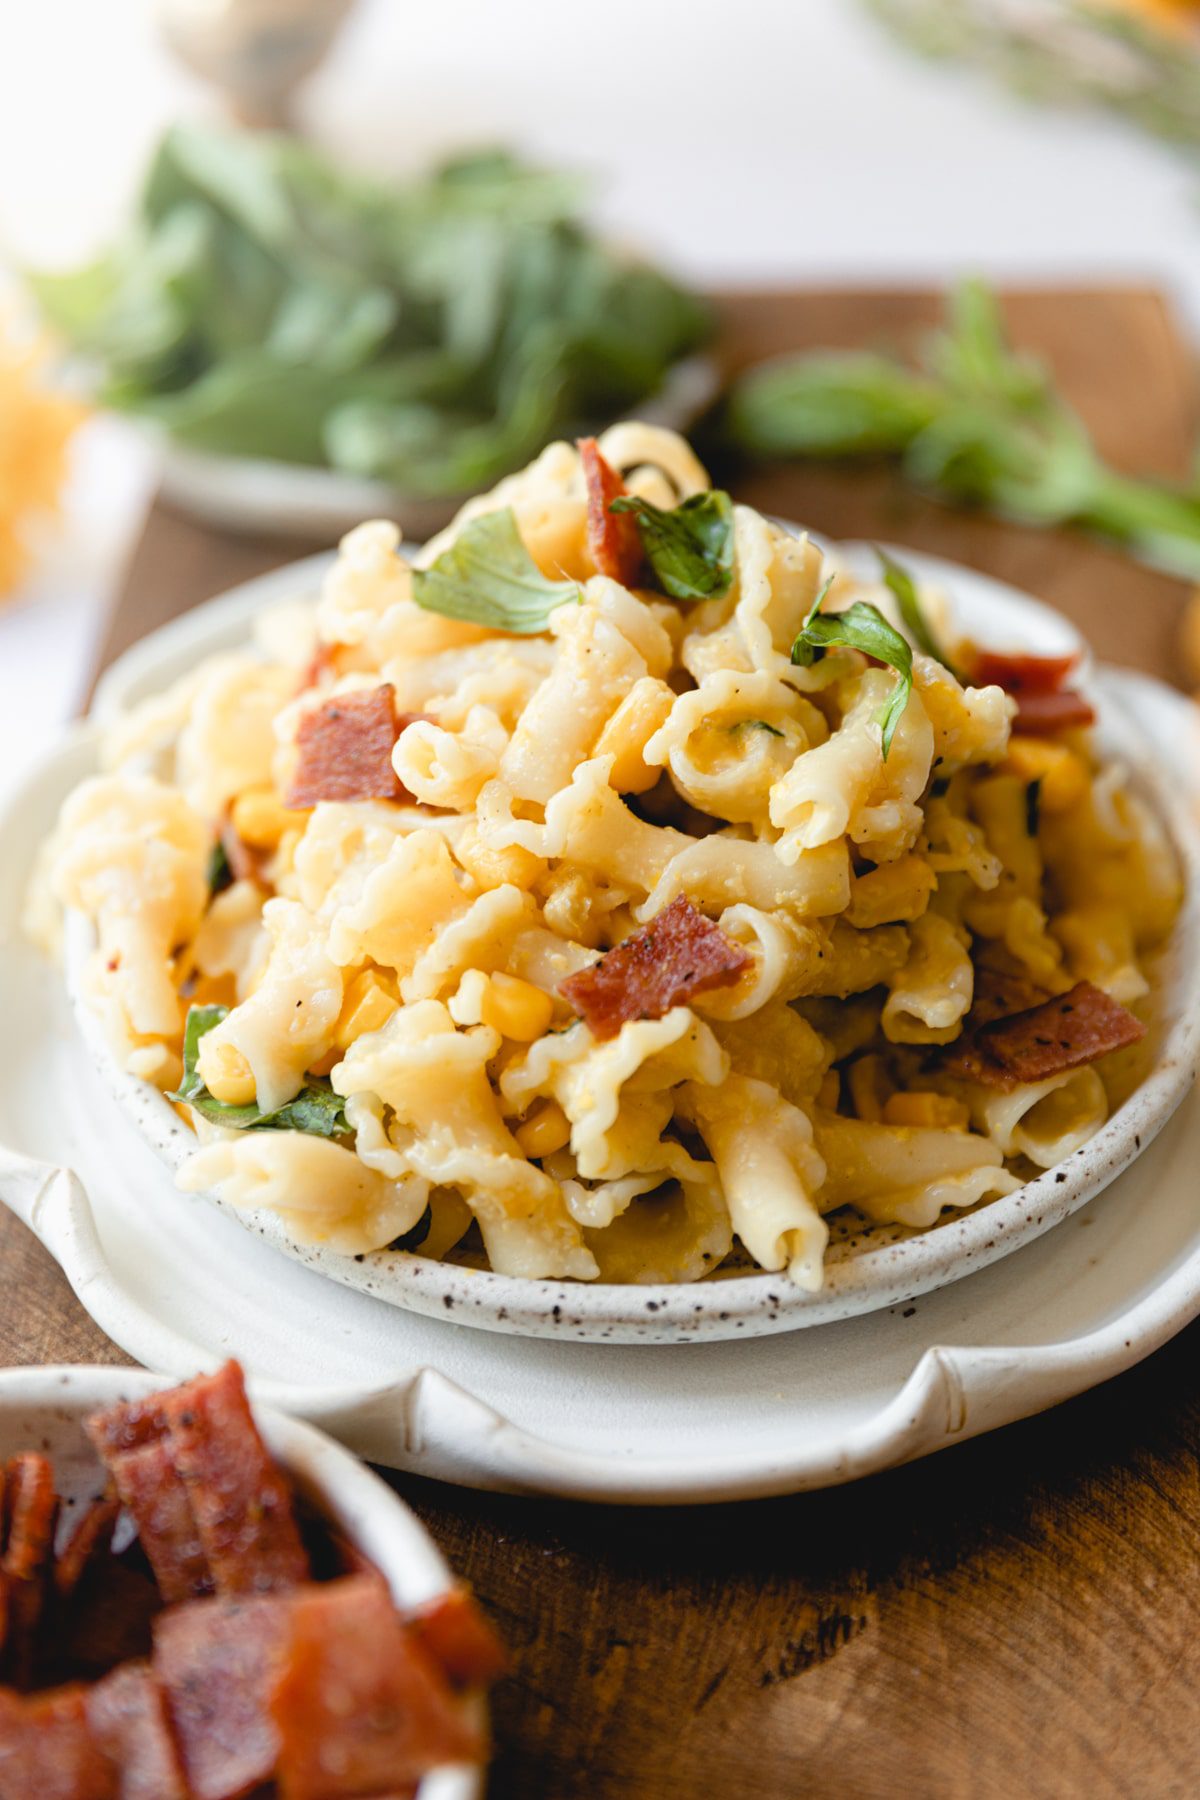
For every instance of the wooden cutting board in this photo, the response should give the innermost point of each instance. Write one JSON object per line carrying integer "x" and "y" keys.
{"x": 1016, "y": 1618}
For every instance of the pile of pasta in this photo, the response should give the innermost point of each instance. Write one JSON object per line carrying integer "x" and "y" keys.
{"x": 620, "y": 935}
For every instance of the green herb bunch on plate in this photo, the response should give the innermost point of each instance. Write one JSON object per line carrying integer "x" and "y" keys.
{"x": 267, "y": 304}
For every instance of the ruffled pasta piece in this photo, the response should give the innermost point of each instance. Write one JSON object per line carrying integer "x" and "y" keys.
{"x": 720, "y": 871}
{"x": 480, "y": 938}
{"x": 776, "y": 577}
{"x": 391, "y": 912}
{"x": 1098, "y": 943}
{"x": 228, "y": 742}
{"x": 132, "y": 855}
{"x": 595, "y": 667}
{"x": 639, "y": 451}
{"x": 906, "y": 1175}
{"x": 679, "y": 1231}
{"x": 232, "y": 939}
{"x": 324, "y": 1195}
{"x": 1111, "y": 850}
{"x": 449, "y": 1128}
{"x": 778, "y": 1047}
{"x": 1047, "y": 1121}
{"x": 931, "y": 995}
{"x": 970, "y": 725}
{"x": 727, "y": 742}
{"x": 286, "y": 1025}
{"x": 448, "y": 768}
{"x": 618, "y": 1095}
{"x": 770, "y": 1170}
{"x": 366, "y": 602}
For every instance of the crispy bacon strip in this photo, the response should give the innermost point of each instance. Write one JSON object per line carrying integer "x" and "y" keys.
{"x": 127, "y": 1718}
{"x": 1019, "y": 674}
{"x": 678, "y": 954}
{"x": 1063, "y": 1033}
{"x": 132, "y": 1441}
{"x": 91, "y": 1539}
{"x": 346, "y": 750}
{"x": 1044, "y": 704}
{"x": 360, "y": 1706}
{"x": 240, "y": 1498}
{"x": 32, "y": 1508}
{"x": 1041, "y": 715}
{"x": 612, "y": 538}
{"x": 217, "y": 1661}
{"x": 459, "y": 1638}
{"x": 47, "y": 1751}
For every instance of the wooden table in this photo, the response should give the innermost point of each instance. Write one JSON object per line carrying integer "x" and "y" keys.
{"x": 1017, "y": 1618}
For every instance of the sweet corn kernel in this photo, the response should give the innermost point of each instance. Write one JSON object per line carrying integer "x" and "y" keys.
{"x": 492, "y": 867}
{"x": 515, "y": 1008}
{"x": 1062, "y": 773}
{"x": 367, "y": 1007}
{"x": 260, "y": 818}
{"x": 225, "y": 1073}
{"x": 923, "y": 1108}
{"x": 546, "y": 1130}
{"x": 644, "y": 708}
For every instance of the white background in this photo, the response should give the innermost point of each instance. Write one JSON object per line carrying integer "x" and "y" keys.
{"x": 738, "y": 139}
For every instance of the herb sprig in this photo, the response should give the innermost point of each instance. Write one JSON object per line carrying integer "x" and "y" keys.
{"x": 315, "y": 1109}
{"x": 690, "y": 546}
{"x": 977, "y": 423}
{"x": 488, "y": 577}
{"x": 861, "y": 627}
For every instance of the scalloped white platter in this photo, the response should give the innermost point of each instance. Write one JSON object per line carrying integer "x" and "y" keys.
{"x": 177, "y": 1282}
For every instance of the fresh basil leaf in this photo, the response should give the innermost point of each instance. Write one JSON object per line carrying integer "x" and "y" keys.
{"x": 488, "y": 577}
{"x": 900, "y": 583}
{"x": 690, "y": 546}
{"x": 861, "y": 627}
{"x": 316, "y": 1109}
{"x": 411, "y": 1240}
{"x": 220, "y": 875}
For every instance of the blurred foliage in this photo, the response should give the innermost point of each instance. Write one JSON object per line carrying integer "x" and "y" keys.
{"x": 1141, "y": 57}
{"x": 977, "y": 423}
{"x": 266, "y": 303}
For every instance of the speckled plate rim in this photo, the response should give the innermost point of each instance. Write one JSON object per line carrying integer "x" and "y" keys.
{"x": 1133, "y": 711}
{"x": 44, "y": 1407}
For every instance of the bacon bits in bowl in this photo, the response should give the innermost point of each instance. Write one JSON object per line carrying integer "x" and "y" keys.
{"x": 195, "y": 1611}
{"x": 629, "y": 918}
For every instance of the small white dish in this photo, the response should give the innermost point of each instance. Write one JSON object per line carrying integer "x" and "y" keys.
{"x": 294, "y": 500}
{"x": 45, "y": 1409}
{"x": 871, "y": 1267}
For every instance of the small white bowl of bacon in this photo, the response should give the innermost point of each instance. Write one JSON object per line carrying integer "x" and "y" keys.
{"x": 200, "y": 1601}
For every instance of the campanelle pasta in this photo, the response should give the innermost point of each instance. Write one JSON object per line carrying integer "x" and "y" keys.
{"x": 662, "y": 921}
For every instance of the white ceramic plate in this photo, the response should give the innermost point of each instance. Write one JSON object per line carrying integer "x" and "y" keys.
{"x": 868, "y": 1266}
{"x": 44, "y": 1409}
{"x": 291, "y": 500}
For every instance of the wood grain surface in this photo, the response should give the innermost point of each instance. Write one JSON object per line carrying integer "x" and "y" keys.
{"x": 1014, "y": 1618}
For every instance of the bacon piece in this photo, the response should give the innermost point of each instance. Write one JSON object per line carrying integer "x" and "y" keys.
{"x": 1061, "y": 1034}
{"x": 132, "y": 1441}
{"x": 459, "y": 1638}
{"x": 1041, "y": 715}
{"x": 217, "y": 1661}
{"x": 109, "y": 1620}
{"x": 47, "y": 1751}
{"x": 32, "y": 1511}
{"x": 612, "y": 538}
{"x": 360, "y": 1707}
{"x": 678, "y": 954}
{"x": 32, "y": 1508}
{"x": 91, "y": 1538}
{"x": 346, "y": 750}
{"x": 1019, "y": 674}
{"x": 127, "y": 1718}
{"x": 1044, "y": 705}
{"x": 240, "y": 1499}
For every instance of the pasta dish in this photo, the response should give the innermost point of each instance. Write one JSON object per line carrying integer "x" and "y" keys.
{"x": 620, "y": 887}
